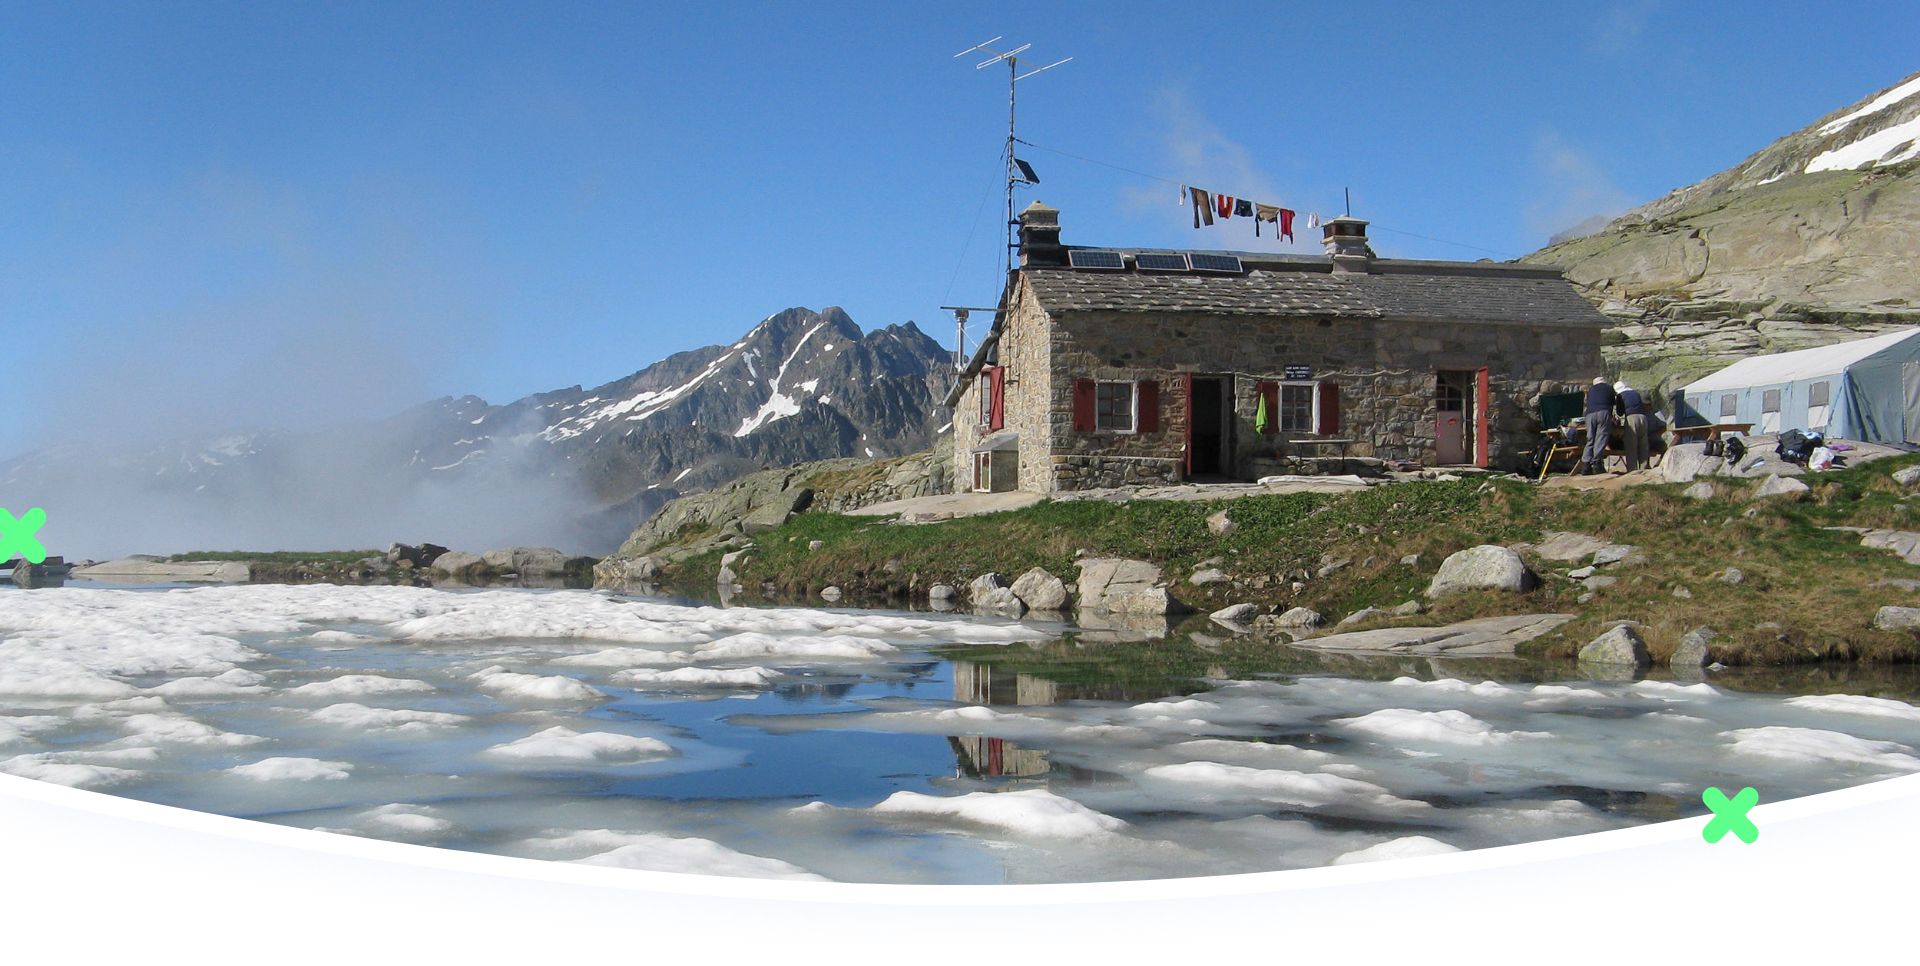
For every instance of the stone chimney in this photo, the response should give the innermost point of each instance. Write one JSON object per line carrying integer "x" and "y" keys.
{"x": 1346, "y": 241}
{"x": 1040, "y": 236}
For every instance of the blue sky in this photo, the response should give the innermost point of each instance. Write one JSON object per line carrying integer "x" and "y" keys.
{"x": 223, "y": 214}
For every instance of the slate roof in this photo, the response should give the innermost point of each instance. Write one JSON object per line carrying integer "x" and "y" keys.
{"x": 1394, "y": 289}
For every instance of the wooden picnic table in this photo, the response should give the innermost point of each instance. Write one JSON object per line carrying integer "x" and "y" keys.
{"x": 1707, "y": 433}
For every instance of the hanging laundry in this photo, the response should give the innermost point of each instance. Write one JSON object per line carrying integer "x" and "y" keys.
{"x": 1266, "y": 213}
{"x": 1243, "y": 208}
{"x": 1224, "y": 205}
{"x": 1313, "y": 221}
{"x": 1202, "y": 206}
{"x": 1286, "y": 223}
{"x": 1261, "y": 418}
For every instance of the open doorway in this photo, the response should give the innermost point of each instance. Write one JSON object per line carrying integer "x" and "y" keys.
{"x": 1210, "y": 427}
{"x": 1454, "y": 423}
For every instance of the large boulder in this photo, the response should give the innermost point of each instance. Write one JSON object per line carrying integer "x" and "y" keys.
{"x": 1906, "y": 543}
{"x": 1235, "y": 616}
{"x": 626, "y": 570}
{"x": 1620, "y": 646}
{"x": 1121, "y": 586}
{"x": 1686, "y": 462}
{"x": 990, "y": 594}
{"x": 527, "y": 561}
{"x": 1301, "y": 617}
{"x": 1040, "y": 590}
{"x": 1485, "y": 567}
{"x": 454, "y": 563}
{"x": 1568, "y": 546}
{"x": 1692, "y": 652}
{"x": 1897, "y": 619}
{"x": 1907, "y": 476}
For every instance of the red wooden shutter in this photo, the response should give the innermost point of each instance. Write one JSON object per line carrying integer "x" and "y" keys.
{"x": 999, "y": 417}
{"x": 1270, "y": 391}
{"x": 1329, "y": 409}
{"x": 1149, "y": 406}
{"x": 1483, "y": 405}
{"x": 1083, "y": 405}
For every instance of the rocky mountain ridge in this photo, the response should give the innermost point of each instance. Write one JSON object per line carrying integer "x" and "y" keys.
{"x": 1812, "y": 240}
{"x": 577, "y": 467}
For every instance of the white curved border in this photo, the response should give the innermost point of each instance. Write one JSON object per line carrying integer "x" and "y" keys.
{"x": 84, "y": 876}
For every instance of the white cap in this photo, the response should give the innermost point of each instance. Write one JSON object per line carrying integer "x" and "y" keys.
{"x": 1620, "y": 386}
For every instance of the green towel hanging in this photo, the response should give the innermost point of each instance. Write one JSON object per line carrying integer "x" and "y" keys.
{"x": 1261, "y": 418}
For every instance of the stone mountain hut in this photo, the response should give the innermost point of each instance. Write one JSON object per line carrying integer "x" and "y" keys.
{"x": 1107, "y": 367}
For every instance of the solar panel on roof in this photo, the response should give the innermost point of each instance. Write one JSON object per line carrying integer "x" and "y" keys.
{"x": 1160, "y": 262}
{"x": 1085, "y": 258}
{"x": 1215, "y": 263}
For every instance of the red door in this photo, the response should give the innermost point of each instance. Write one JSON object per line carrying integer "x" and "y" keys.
{"x": 1482, "y": 407}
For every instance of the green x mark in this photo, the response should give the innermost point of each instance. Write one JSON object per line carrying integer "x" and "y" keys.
{"x": 1730, "y": 815}
{"x": 17, "y": 536}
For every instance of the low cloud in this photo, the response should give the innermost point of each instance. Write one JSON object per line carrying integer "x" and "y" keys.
{"x": 1571, "y": 191}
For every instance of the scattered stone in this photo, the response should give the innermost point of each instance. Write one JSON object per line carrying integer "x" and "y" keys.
{"x": 830, "y": 593}
{"x": 1613, "y": 553}
{"x": 1732, "y": 575}
{"x": 1897, "y": 618}
{"x": 624, "y": 570}
{"x": 769, "y": 517}
{"x": 940, "y": 592}
{"x": 1692, "y": 652}
{"x": 1201, "y": 578}
{"x": 1621, "y": 645}
{"x": 1485, "y": 567}
{"x": 527, "y": 561}
{"x": 1410, "y": 560}
{"x": 1568, "y": 546}
{"x": 1040, "y": 590}
{"x": 990, "y": 594}
{"x": 1600, "y": 582}
{"x": 1586, "y": 598}
{"x": 1684, "y": 462}
{"x": 1408, "y": 609}
{"x": 1221, "y": 525}
{"x": 1301, "y": 617}
{"x": 1775, "y": 485}
{"x": 1908, "y": 476}
{"x": 1581, "y": 574}
{"x": 1904, "y": 583}
{"x": 1699, "y": 491}
{"x": 1682, "y": 592}
{"x": 815, "y": 544}
{"x": 1236, "y": 614}
{"x": 1296, "y": 586}
{"x": 1330, "y": 565}
{"x": 1363, "y": 614}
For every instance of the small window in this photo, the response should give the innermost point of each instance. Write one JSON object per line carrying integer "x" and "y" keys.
{"x": 1770, "y": 401}
{"x": 1296, "y": 407}
{"x": 1729, "y": 406}
{"x": 986, "y": 397}
{"x": 1817, "y": 395}
{"x": 1113, "y": 407}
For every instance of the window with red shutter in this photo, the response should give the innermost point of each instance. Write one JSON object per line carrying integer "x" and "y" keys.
{"x": 1269, "y": 391}
{"x": 1149, "y": 403}
{"x": 998, "y": 419}
{"x": 1083, "y": 394}
{"x": 1329, "y": 409}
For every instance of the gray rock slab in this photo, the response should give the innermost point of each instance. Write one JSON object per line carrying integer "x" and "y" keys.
{"x": 185, "y": 571}
{"x": 1906, "y": 543}
{"x": 1692, "y": 652}
{"x": 1776, "y": 486}
{"x": 1897, "y": 618}
{"x": 1563, "y": 546}
{"x": 1702, "y": 490}
{"x": 1301, "y": 617}
{"x": 1482, "y": 637}
{"x": 1122, "y": 586}
{"x": 1908, "y": 476}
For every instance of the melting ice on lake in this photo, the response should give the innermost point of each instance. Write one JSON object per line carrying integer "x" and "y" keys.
{"x": 796, "y": 743}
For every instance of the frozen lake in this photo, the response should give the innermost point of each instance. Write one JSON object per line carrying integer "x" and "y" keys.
{"x": 893, "y": 747}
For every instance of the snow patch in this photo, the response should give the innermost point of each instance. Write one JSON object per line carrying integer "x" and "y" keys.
{"x": 1441, "y": 727}
{"x": 1405, "y": 847}
{"x": 564, "y": 744}
{"x": 292, "y": 770}
{"x": 1875, "y": 106}
{"x": 1889, "y": 145}
{"x": 1035, "y": 812}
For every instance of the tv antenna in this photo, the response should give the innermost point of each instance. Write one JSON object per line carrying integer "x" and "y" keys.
{"x": 1018, "y": 171}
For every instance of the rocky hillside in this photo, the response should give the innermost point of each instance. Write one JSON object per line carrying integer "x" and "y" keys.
{"x": 1814, "y": 239}
{"x": 576, "y": 467}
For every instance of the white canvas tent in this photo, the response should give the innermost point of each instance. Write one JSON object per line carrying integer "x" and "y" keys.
{"x": 1867, "y": 389}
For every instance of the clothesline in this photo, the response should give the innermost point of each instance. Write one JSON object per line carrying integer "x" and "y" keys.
{"x": 1175, "y": 181}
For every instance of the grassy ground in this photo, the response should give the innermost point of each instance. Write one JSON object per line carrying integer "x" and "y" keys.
{"x": 1808, "y": 594}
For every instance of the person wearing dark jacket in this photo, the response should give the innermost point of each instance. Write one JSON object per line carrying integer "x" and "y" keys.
{"x": 1600, "y": 401}
{"x": 1633, "y": 424}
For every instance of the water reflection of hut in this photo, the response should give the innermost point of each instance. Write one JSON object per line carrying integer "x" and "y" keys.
{"x": 979, "y": 756}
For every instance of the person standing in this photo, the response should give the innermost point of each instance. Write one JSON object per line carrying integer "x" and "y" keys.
{"x": 1600, "y": 401}
{"x": 1633, "y": 424}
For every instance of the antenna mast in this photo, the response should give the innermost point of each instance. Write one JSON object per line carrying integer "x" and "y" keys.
{"x": 1015, "y": 176}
